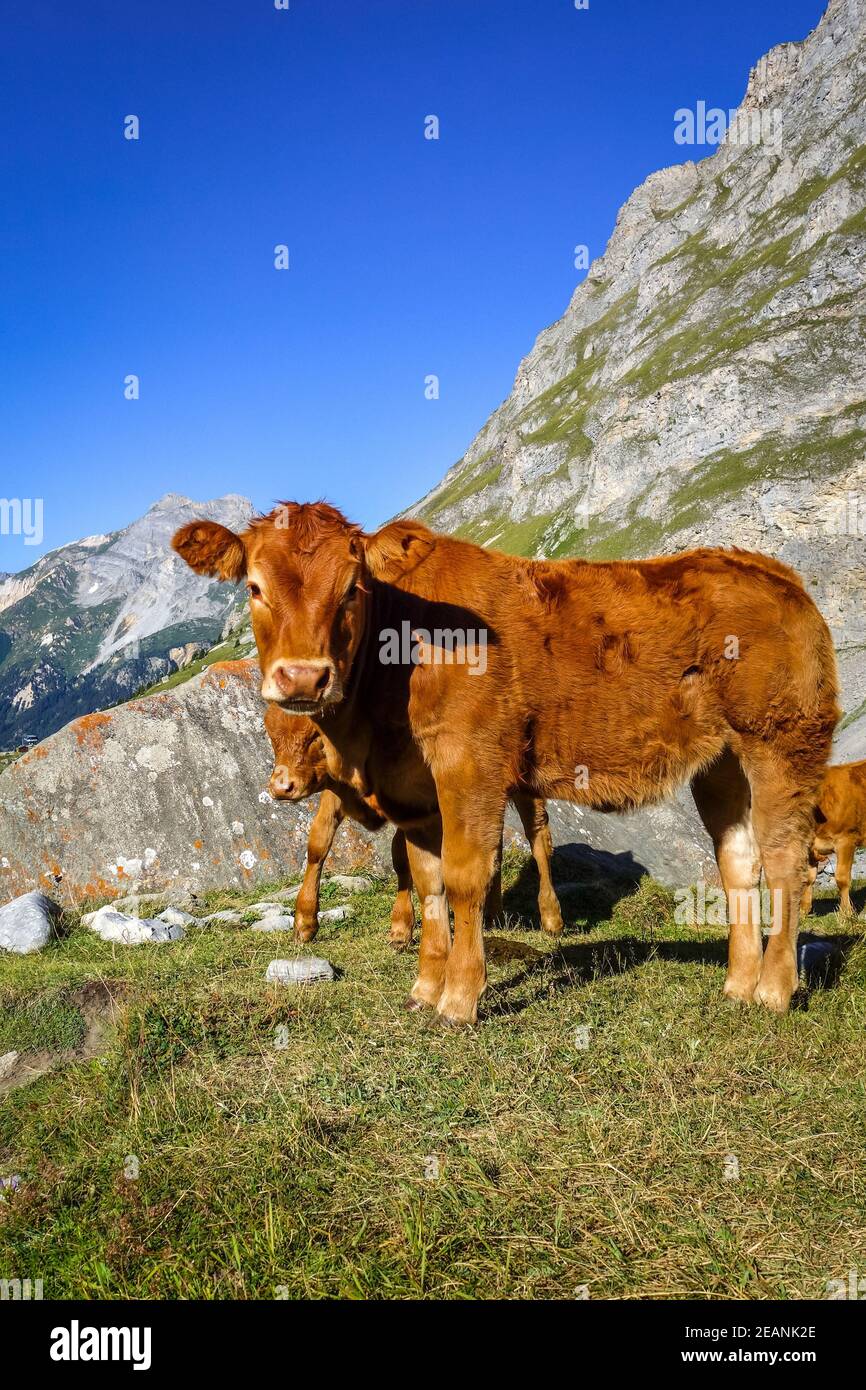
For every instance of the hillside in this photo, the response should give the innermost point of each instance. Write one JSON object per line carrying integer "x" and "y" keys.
{"x": 707, "y": 382}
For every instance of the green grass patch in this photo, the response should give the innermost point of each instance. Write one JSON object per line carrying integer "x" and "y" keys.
{"x": 322, "y": 1142}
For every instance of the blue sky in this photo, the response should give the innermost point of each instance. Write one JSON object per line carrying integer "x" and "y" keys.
{"x": 408, "y": 256}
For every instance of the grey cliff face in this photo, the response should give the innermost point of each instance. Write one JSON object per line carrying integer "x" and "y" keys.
{"x": 706, "y": 384}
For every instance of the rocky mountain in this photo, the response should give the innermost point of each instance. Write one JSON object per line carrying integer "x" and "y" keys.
{"x": 707, "y": 382}
{"x": 95, "y": 621}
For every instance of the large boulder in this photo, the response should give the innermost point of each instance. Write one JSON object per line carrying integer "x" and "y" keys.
{"x": 166, "y": 793}
{"x": 26, "y": 924}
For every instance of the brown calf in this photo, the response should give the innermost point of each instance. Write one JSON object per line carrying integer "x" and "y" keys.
{"x": 608, "y": 684}
{"x": 301, "y": 770}
{"x": 840, "y": 828}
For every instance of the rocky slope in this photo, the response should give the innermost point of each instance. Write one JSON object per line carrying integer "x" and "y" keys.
{"x": 707, "y": 383}
{"x": 91, "y": 623}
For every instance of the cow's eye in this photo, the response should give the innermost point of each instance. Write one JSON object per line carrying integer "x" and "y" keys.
{"x": 352, "y": 593}
{"x": 254, "y": 591}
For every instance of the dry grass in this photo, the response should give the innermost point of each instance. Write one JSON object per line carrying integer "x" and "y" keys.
{"x": 361, "y": 1153}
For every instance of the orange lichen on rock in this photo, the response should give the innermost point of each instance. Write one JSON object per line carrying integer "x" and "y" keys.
{"x": 90, "y": 729}
{"x": 245, "y": 670}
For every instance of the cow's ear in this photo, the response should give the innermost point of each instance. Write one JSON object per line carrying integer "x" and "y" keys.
{"x": 397, "y": 549}
{"x": 209, "y": 548}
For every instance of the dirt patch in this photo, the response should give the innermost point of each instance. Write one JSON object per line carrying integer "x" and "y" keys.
{"x": 99, "y": 1002}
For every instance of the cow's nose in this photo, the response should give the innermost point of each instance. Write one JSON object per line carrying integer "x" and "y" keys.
{"x": 302, "y": 682}
{"x": 282, "y": 788}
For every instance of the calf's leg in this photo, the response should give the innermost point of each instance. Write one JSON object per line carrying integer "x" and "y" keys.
{"x": 494, "y": 912}
{"x": 782, "y": 812}
{"x": 724, "y": 801}
{"x": 322, "y": 831}
{"x": 536, "y": 827}
{"x": 811, "y": 875}
{"x": 425, "y": 863}
{"x": 402, "y": 913}
{"x": 471, "y": 835}
{"x": 846, "y": 847}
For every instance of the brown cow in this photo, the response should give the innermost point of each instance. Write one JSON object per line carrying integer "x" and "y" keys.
{"x": 608, "y": 684}
{"x": 840, "y": 829}
{"x": 301, "y": 770}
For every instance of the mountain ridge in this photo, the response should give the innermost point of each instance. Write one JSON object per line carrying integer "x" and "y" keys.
{"x": 94, "y": 620}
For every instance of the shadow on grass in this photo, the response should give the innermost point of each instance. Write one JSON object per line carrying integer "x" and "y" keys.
{"x": 822, "y": 907}
{"x": 579, "y": 962}
{"x": 588, "y": 882}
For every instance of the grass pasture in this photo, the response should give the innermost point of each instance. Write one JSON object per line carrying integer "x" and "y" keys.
{"x": 613, "y": 1129}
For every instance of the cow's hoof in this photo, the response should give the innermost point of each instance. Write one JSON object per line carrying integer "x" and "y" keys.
{"x": 414, "y": 1006}
{"x": 399, "y": 943}
{"x": 776, "y": 998}
{"x": 452, "y": 1025}
{"x": 738, "y": 993}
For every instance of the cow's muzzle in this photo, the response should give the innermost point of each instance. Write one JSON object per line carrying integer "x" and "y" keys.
{"x": 301, "y": 687}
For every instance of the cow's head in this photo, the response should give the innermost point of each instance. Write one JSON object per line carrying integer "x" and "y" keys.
{"x": 300, "y": 765}
{"x": 308, "y": 571}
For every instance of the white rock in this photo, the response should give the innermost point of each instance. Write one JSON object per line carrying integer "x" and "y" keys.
{"x": 7, "y": 1062}
{"x": 266, "y": 909}
{"x": 26, "y": 923}
{"x": 229, "y": 915}
{"x": 287, "y": 895}
{"x": 131, "y": 931}
{"x": 274, "y": 923}
{"x": 176, "y": 918}
{"x": 335, "y": 914}
{"x": 306, "y": 970}
{"x": 351, "y": 883}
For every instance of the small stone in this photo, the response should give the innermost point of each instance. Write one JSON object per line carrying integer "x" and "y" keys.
{"x": 287, "y": 895}
{"x": 351, "y": 883}
{"x": 274, "y": 923}
{"x": 7, "y": 1062}
{"x": 132, "y": 931}
{"x": 335, "y": 914}
{"x": 306, "y": 970}
{"x": 140, "y": 904}
{"x": 176, "y": 918}
{"x": 267, "y": 909}
{"x": 26, "y": 923}
{"x": 229, "y": 915}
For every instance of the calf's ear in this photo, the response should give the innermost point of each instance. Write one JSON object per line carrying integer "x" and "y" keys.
{"x": 397, "y": 549}
{"x": 209, "y": 548}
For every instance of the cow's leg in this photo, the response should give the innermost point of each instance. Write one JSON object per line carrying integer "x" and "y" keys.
{"x": 322, "y": 831}
{"x": 471, "y": 835}
{"x": 536, "y": 827}
{"x": 494, "y": 912}
{"x": 783, "y": 816}
{"x": 811, "y": 875}
{"x": 425, "y": 863}
{"x": 723, "y": 798}
{"x": 846, "y": 847}
{"x": 402, "y": 913}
